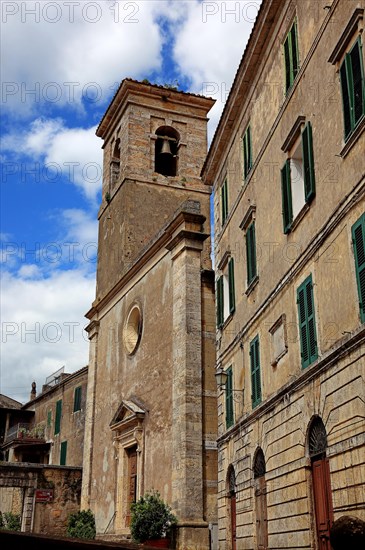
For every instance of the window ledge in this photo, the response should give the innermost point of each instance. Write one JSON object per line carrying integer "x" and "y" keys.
{"x": 280, "y": 356}
{"x": 252, "y": 285}
{"x": 227, "y": 321}
{"x": 299, "y": 217}
{"x": 353, "y": 137}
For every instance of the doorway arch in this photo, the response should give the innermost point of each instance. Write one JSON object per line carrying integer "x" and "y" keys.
{"x": 321, "y": 482}
{"x": 259, "y": 471}
{"x": 232, "y": 512}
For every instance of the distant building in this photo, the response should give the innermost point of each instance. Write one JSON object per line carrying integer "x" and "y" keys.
{"x": 287, "y": 165}
{"x": 151, "y": 405}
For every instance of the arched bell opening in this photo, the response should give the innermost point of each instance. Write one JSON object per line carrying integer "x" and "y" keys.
{"x": 166, "y": 151}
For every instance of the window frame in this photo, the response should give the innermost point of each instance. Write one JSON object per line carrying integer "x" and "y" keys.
{"x": 63, "y": 453}
{"x": 251, "y": 256}
{"x": 255, "y": 371}
{"x": 307, "y": 323}
{"x": 77, "y": 399}
{"x": 224, "y": 201}
{"x": 359, "y": 267}
{"x": 58, "y": 417}
{"x": 349, "y": 111}
{"x": 291, "y": 71}
{"x": 247, "y": 152}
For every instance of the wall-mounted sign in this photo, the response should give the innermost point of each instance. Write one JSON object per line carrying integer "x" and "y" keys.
{"x": 44, "y": 495}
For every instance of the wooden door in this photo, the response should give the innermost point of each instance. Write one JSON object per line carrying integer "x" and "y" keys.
{"x": 132, "y": 482}
{"x": 233, "y": 521}
{"x": 261, "y": 514}
{"x": 322, "y": 501}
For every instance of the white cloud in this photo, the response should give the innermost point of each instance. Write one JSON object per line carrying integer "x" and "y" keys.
{"x": 42, "y": 327}
{"x": 73, "y": 153}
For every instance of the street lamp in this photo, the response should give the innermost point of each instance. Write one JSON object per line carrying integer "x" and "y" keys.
{"x": 221, "y": 379}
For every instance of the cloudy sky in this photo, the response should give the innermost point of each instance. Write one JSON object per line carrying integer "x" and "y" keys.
{"x": 61, "y": 64}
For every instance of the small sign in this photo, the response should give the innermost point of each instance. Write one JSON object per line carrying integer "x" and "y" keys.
{"x": 44, "y": 495}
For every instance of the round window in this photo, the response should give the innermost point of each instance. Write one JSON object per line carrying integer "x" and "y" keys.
{"x": 133, "y": 330}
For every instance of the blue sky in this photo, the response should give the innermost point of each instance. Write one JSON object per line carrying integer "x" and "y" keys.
{"x": 61, "y": 63}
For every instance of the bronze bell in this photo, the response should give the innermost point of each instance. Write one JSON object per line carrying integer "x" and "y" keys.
{"x": 166, "y": 148}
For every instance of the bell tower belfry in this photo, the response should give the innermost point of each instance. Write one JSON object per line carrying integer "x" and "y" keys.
{"x": 151, "y": 419}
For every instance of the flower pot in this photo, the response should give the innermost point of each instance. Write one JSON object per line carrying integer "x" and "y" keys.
{"x": 157, "y": 543}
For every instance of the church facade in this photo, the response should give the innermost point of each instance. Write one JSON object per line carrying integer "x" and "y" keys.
{"x": 151, "y": 405}
{"x": 287, "y": 166}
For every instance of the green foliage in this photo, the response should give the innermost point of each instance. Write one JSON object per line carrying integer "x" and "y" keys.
{"x": 151, "y": 518}
{"x": 108, "y": 197}
{"x": 81, "y": 525}
{"x": 10, "y": 521}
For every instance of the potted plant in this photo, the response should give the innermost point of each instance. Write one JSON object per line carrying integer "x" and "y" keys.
{"x": 152, "y": 521}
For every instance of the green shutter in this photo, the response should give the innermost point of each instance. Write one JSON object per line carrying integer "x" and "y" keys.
{"x": 352, "y": 88}
{"x": 358, "y": 239}
{"x": 57, "y": 425}
{"x": 224, "y": 201}
{"x": 307, "y": 324}
{"x": 255, "y": 372}
{"x": 220, "y": 303}
{"x": 286, "y": 197}
{"x": 251, "y": 253}
{"x": 229, "y": 398}
{"x": 232, "y": 300}
{"x": 308, "y": 163}
{"x": 63, "y": 453}
{"x": 247, "y": 151}
{"x": 291, "y": 57}
{"x": 49, "y": 418}
{"x": 77, "y": 399}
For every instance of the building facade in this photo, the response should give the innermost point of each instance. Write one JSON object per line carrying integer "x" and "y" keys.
{"x": 151, "y": 405}
{"x": 287, "y": 165}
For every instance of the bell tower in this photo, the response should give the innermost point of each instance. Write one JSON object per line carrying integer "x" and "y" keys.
{"x": 151, "y": 419}
{"x": 155, "y": 142}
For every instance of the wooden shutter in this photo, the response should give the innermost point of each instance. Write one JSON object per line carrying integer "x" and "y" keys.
{"x": 308, "y": 163}
{"x": 247, "y": 152}
{"x": 49, "y": 418}
{"x": 307, "y": 324}
{"x": 232, "y": 299}
{"x": 286, "y": 197}
{"x": 357, "y": 92}
{"x": 287, "y": 64}
{"x": 251, "y": 253}
{"x": 255, "y": 372}
{"x": 229, "y": 398}
{"x": 63, "y": 453}
{"x": 358, "y": 239}
{"x": 294, "y": 51}
{"x": 57, "y": 425}
{"x": 224, "y": 201}
{"x": 220, "y": 303}
{"x": 77, "y": 399}
{"x": 345, "y": 99}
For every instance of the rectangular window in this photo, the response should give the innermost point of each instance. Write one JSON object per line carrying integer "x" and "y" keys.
{"x": 77, "y": 399}
{"x": 226, "y": 302}
{"x": 49, "y": 418}
{"x": 291, "y": 57}
{"x": 251, "y": 253}
{"x": 224, "y": 201}
{"x": 63, "y": 453}
{"x": 307, "y": 323}
{"x": 353, "y": 88}
{"x": 229, "y": 398}
{"x": 247, "y": 152}
{"x": 358, "y": 239}
{"x": 231, "y": 289}
{"x": 298, "y": 186}
{"x": 255, "y": 372}
{"x": 220, "y": 302}
{"x": 57, "y": 424}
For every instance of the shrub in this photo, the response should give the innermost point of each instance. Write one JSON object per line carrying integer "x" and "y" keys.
{"x": 151, "y": 518}
{"x": 10, "y": 521}
{"x": 81, "y": 525}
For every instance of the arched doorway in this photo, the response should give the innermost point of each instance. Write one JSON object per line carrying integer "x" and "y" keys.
{"x": 321, "y": 483}
{"x": 232, "y": 514}
{"x": 259, "y": 471}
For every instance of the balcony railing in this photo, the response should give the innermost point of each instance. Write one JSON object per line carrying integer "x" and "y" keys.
{"x": 25, "y": 431}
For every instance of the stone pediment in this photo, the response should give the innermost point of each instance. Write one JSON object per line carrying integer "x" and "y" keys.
{"x": 128, "y": 414}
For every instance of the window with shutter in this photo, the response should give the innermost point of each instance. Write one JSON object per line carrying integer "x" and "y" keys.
{"x": 353, "y": 88}
{"x": 255, "y": 372}
{"x": 220, "y": 302}
{"x": 298, "y": 185}
{"x": 251, "y": 253}
{"x": 224, "y": 201}
{"x": 63, "y": 453}
{"x": 57, "y": 425}
{"x": 247, "y": 152}
{"x": 49, "y": 418}
{"x": 229, "y": 398}
{"x": 307, "y": 323}
{"x": 77, "y": 399}
{"x": 358, "y": 239}
{"x": 291, "y": 57}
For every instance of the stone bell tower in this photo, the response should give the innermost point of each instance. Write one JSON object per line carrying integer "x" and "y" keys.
{"x": 151, "y": 406}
